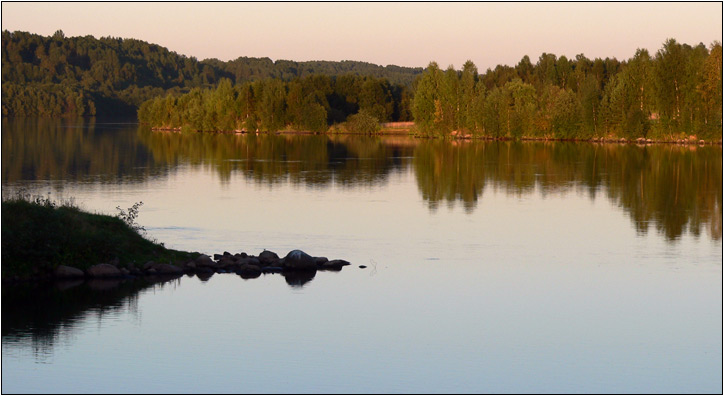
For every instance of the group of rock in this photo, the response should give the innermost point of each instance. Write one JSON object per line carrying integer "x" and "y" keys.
{"x": 247, "y": 266}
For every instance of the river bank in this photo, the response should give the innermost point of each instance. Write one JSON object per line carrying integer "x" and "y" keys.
{"x": 43, "y": 241}
{"x": 408, "y": 129}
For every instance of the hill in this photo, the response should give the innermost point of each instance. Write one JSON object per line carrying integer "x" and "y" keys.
{"x": 58, "y": 75}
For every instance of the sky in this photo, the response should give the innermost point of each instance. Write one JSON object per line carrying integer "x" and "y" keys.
{"x": 403, "y": 34}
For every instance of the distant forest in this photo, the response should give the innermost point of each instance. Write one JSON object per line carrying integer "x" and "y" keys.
{"x": 673, "y": 94}
{"x": 79, "y": 76}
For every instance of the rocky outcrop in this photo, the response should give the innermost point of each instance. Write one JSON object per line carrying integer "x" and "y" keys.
{"x": 297, "y": 267}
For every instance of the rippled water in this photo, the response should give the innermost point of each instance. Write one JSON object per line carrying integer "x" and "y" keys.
{"x": 491, "y": 267}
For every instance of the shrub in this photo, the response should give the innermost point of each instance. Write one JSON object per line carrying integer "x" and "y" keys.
{"x": 362, "y": 122}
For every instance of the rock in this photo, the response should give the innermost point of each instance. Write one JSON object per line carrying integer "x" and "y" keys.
{"x": 249, "y": 271}
{"x": 164, "y": 268}
{"x": 297, "y": 259}
{"x": 103, "y": 271}
{"x": 250, "y": 261}
{"x": 320, "y": 260}
{"x": 217, "y": 256}
{"x": 148, "y": 265}
{"x": 363, "y": 266}
{"x": 272, "y": 270}
{"x": 125, "y": 271}
{"x": 227, "y": 254}
{"x": 65, "y": 272}
{"x": 267, "y": 258}
{"x": 205, "y": 261}
{"x": 334, "y": 264}
{"x": 226, "y": 262}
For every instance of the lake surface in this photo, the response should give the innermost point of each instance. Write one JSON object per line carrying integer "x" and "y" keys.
{"x": 492, "y": 267}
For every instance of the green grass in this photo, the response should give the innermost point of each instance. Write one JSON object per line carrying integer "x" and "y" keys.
{"x": 38, "y": 235}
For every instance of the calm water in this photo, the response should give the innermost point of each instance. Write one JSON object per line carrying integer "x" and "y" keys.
{"x": 491, "y": 267}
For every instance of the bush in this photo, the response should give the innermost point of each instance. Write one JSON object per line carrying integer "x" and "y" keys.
{"x": 362, "y": 122}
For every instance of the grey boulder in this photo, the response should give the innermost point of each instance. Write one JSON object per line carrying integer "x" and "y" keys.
{"x": 297, "y": 259}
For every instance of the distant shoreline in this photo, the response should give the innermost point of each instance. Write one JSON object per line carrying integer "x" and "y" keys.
{"x": 407, "y": 129}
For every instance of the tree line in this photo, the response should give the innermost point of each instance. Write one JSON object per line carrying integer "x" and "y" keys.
{"x": 311, "y": 103}
{"x": 114, "y": 76}
{"x": 675, "y": 93}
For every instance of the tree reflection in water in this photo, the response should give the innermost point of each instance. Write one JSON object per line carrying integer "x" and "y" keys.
{"x": 676, "y": 188}
{"x": 45, "y": 313}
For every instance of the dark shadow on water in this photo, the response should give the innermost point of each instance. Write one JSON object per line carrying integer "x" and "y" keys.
{"x": 299, "y": 278}
{"x": 41, "y": 312}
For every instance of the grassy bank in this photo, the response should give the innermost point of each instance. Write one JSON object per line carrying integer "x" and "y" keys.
{"x": 38, "y": 235}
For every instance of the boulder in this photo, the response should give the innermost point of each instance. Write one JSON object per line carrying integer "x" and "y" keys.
{"x": 66, "y": 272}
{"x": 226, "y": 261}
{"x": 334, "y": 264}
{"x": 205, "y": 261}
{"x": 250, "y": 261}
{"x": 249, "y": 271}
{"x": 103, "y": 271}
{"x": 267, "y": 258}
{"x": 320, "y": 260}
{"x": 298, "y": 260}
{"x": 165, "y": 268}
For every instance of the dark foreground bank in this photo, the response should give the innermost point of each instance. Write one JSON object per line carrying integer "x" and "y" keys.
{"x": 44, "y": 241}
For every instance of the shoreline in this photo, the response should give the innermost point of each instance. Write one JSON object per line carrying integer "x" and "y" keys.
{"x": 75, "y": 244}
{"x": 455, "y": 136}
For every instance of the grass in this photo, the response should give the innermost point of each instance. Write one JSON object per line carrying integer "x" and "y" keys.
{"x": 39, "y": 234}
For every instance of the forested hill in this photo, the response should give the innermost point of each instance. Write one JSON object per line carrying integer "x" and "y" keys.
{"x": 245, "y": 69}
{"x": 57, "y": 75}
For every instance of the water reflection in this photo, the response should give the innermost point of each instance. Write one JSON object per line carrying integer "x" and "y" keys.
{"x": 311, "y": 160}
{"x": 299, "y": 278}
{"x": 678, "y": 189}
{"x": 73, "y": 150}
{"x": 44, "y": 313}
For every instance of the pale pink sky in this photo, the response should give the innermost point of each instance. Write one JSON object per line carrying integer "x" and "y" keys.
{"x": 404, "y": 34}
